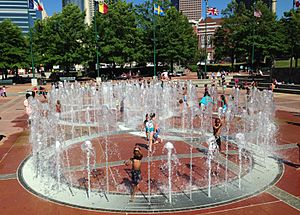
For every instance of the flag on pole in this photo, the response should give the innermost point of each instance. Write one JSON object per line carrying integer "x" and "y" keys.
{"x": 39, "y": 6}
{"x": 257, "y": 13}
{"x": 212, "y": 11}
{"x": 35, "y": 4}
{"x": 158, "y": 10}
{"x": 103, "y": 8}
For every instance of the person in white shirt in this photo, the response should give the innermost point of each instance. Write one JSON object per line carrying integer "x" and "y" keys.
{"x": 28, "y": 109}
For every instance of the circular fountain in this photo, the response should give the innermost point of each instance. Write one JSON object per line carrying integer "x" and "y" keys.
{"x": 78, "y": 155}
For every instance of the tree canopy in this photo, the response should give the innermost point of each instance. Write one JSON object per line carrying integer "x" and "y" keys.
{"x": 126, "y": 34}
{"x": 13, "y": 47}
{"x": 243, "y": 33}
{"x": 60, "y": 39}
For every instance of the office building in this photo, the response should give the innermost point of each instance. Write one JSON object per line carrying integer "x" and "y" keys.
{"x": 84, "y": 5}
{"x": 17, "y": 11}
{"x": 192, "y": 9}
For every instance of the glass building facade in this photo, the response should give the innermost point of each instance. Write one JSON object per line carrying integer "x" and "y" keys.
{"x": 17, "y": 11}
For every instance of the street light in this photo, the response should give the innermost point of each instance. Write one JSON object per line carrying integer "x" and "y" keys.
{"x": 96, "y": 39}
{"x": 205, "y": 37}
{"x": 31, "y": 52}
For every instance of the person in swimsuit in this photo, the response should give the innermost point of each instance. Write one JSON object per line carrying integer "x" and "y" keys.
{"x": 156, "y": 129}
{"x": 217, "y": 130}
{"x": 223, "y": 104}
{"x": 145, "y": 126}
{"x": 136, "y": 176}
{"x": 150, "y": 130}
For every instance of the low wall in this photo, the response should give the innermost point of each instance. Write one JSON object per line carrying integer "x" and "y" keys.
{"x": 287, "y": 75}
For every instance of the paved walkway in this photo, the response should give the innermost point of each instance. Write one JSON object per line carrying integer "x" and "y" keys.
{"x": 283, "y": 198}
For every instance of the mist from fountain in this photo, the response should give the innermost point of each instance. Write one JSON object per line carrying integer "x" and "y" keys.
{"x": 91, "y": 111}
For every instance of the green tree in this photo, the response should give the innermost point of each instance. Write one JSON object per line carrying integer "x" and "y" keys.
{"x": 13, "y": 47}
{"x": 291, "y": 25}
{"x": 268, "y": 36}
{"x": 176, "y": 39}
{"x": 242, "y": 32}
{"x": 228, "y": 38}
{"x": 60, "y": 39}
{"x": 117, "y": 34}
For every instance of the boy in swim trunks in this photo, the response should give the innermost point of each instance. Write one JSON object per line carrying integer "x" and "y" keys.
{"x": 136, "y": 176}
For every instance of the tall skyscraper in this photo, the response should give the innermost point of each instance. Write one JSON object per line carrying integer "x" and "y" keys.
{"x": 191, "y": 8}
{"x": 270, "y": 3}
{"x": 17, "y": 12}
{"x": 84, "y": 5}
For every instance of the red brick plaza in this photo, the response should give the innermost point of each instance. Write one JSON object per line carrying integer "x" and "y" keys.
{"x": 280, "y": 198}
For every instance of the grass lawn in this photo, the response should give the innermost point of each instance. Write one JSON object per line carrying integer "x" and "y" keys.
{"x": 285, "y": 63}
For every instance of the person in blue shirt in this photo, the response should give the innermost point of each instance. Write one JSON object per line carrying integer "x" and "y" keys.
{"x": 205, "y": 101}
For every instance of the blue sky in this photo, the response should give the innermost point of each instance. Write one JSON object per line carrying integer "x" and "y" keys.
{"x": 53, "y": 6}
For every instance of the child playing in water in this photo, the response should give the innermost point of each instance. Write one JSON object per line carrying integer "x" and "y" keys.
{"x": 217, "y": 131}
{"x": 136, "y": 176}
{"x": 156, "y": 129}
{"x": 145, "y": 126}
{"x": 150, "y": 132}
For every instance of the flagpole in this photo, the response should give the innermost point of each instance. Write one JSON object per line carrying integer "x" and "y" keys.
{"x": 294, "y": 2}
{"x": 96, "y": 41}
{"x": 154, "y": 45}
{"x": 253, "y": 32}
{"x": 205, "y": 37}
{"x": 30, "y": 37}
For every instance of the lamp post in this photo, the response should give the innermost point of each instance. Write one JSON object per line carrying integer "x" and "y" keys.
{"x": 154, "y": 46}
{"x": 205, "y": 37}
{"x": 96, "y": 39}
{"x": 253, "y": 32}
{"x": 31, "y": 51}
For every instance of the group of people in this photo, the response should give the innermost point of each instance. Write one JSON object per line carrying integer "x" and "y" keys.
{"x": 207, "y": 100}
{"x": 152, "y": 130}
{"x": 220, "y": 77}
